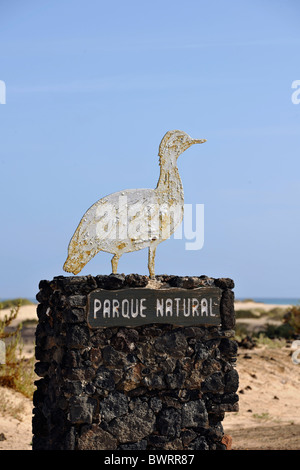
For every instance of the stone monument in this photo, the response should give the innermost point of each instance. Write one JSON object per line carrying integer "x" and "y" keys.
{"x": 134, "y": 362}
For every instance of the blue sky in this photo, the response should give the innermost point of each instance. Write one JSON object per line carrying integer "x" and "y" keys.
{"x": 92, "y": 87}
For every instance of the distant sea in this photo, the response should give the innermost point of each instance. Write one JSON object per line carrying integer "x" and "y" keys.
{"x": 265, "y": 300}
{"x": 274, "y": 300}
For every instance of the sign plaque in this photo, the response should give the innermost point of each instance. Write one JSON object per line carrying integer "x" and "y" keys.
{"x": 141, "y": 306}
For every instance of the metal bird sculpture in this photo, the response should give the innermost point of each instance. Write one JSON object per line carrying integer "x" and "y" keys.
{"x": 134, "y": 219}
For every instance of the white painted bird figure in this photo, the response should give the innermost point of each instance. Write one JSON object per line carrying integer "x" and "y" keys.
{"x": 134, "y": 219}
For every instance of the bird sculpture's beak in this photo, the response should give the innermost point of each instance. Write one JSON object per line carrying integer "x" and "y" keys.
{"x": 198, "y": 141}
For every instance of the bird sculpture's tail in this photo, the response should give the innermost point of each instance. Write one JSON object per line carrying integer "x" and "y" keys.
{"x": 79, "y": 253}
{"x": 69, "y": 268}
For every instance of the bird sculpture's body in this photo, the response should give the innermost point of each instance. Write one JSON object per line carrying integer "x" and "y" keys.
{"x": 133, "y": 219}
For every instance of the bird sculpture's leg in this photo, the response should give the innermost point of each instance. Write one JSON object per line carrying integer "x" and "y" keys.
{"x": 114, "y": 263}
{"x": 151, "y": 260}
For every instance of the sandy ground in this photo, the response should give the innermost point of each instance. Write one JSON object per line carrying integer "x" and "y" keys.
{"x": 269, "y": 406}
{"x": 27, "y": 312}
{"x": 250, "y": 305}
{"x": 15, "y": 421}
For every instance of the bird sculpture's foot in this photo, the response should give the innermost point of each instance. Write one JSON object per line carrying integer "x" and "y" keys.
{"x": 114, "y": 264}
{"x": 151, "y": 261}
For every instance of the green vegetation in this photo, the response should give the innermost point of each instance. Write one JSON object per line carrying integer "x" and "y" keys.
{"x": 276, "y": 313}
{"x": 241, "y": 331}
{"x": 263, "y": 340}
{"x": 246, "y": 314}
{"x": 292, "y": 318}
{"x": 12, "y": 303}
{"x": 267, "y": 334}
{"x": 281, "y": 331}
{"x": 263, "y": 416}
{"x": 17, "y": 372}
{"x": 272, "y": 335}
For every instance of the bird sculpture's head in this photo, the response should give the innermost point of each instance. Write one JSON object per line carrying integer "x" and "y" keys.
{"x": 176, "y": 142}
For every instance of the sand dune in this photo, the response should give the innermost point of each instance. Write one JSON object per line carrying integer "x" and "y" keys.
{"x": 250, "y": 305}
{"x": 26, "y": 312}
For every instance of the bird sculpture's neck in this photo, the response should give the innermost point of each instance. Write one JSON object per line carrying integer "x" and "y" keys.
{"x": 169, "y": 182}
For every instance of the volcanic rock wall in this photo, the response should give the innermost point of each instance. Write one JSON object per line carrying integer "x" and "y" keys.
{"x": 156, "y": 386}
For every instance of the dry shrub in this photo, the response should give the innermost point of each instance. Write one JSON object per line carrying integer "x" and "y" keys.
{"x": 292, "y": 318}
{"x": 17, "y": 372}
